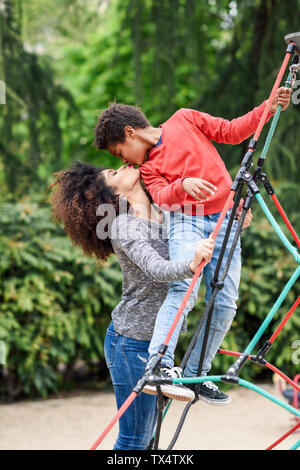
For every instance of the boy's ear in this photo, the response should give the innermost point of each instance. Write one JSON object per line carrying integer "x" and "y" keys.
{"x": 129, "y": 131}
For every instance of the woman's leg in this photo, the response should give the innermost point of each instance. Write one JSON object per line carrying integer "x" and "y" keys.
{"x": 126, "y": 359}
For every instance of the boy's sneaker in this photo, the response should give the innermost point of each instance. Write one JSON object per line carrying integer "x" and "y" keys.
{"x": 174, "y": 391}
{"x": 210, "y": 393}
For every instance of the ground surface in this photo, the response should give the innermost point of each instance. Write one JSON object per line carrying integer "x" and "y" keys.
{"x": 74, "y": 422}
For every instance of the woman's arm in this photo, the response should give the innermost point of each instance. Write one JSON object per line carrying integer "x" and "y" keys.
{"x": 126, "y": 234}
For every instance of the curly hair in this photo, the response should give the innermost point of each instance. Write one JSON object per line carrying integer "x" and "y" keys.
{"x": 76, "y": 194}
{"x": 111, "y": 123}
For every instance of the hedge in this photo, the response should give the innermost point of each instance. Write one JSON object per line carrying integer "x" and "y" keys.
{"x": 56, "y": 302}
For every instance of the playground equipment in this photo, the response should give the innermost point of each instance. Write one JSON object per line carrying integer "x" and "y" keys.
{"x": 252, "y": 181}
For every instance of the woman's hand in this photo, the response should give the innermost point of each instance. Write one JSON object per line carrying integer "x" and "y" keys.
{"x": 204, "y": 251}
{"x": 248, "y": 217}
{"x": 195, "y": 186}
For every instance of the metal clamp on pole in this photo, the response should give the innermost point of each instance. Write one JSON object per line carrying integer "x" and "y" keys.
{"x": 265, "y": 181}
{"x": 252, "y": 186}
{"x": 263, "y": 352}
{"x": 259, "y": 362}
{"x": 234, "y": 370}
{"x": 245, "y": 165}
{"x": 149, "y": 375}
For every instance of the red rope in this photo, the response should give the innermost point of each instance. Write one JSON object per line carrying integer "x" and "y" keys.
{"x": 284, "y": 321}
{"x": 268, "y": 365}
{"x": 284, "y": 436}
{"x": 229, "y": 353}
{"x": 271, "y": 97}
{"x": 285, "y": 219}
{"x": 285, "y": 377}
{"x": 120, "y": 412}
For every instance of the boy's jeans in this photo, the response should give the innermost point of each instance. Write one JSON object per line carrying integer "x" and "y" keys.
{"x": 126, "y": 359}
{"x": 185, "y": 231}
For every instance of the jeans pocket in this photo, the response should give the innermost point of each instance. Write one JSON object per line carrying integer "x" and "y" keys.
{"x": 110, "y": 346}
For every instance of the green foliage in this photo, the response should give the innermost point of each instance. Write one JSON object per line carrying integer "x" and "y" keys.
{"x": 55, "y": 302}
{"x": 60, "y": 68}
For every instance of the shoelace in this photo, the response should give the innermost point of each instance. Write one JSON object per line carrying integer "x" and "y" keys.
{"x": 210, "y": 385}
{"x": 174, "y": 373}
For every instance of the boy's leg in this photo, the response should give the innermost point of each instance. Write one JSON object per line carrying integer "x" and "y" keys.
{"x": 183, "y": 236}
{"x": 225, "y": 303}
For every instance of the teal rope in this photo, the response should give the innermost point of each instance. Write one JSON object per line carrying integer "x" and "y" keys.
{"x": 273, "y": 125}
{"x": 268, "y": 395}
{"x": 272, "y": 312}
{"x": 244, "y": 383}
{"x": 295, "y": 446}
{"x": 277, "y": 229}
{"x": 197, "y": 380}
{"x": 271, "y": 132}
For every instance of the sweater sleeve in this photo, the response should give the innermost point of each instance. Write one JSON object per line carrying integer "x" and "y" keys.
{"x": 229, "y": 132}
{"x": 126, "y": 235}
{"x": 163, "y": 193}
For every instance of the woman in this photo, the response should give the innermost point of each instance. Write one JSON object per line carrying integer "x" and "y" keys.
{"x": 104, "y": 211}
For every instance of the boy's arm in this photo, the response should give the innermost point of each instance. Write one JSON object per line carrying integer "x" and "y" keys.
{"x": 239, "y": 129}
{"x": 163, "y": 192}
{"x": 229, "y": 132}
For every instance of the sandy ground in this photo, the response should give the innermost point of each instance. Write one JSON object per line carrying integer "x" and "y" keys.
{"x": 249, "y": 422}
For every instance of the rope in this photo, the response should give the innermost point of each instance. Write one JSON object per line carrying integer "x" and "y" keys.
{"x": 244, "y": 383}
{"x": 295, "y": 446}
{"x": 284, "y": 436}
{"x": 277, "y": 229}
{"x": 272, "y": 95}
{"x": 285, "y": 219}
{"x": 180, "y": 425}
{"x": 268, "y": 365}
{"x": 272, "y": 312}
{"x": 285, "y": 320}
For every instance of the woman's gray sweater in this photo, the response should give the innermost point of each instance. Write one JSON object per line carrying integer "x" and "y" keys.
{"x": 142, "y": 250}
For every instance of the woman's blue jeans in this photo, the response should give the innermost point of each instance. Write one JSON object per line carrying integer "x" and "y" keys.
{"x": 126, "y": 359}
{"x": 185, "y": 231}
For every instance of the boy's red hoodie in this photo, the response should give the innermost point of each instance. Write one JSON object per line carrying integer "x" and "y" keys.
{"x": 187, "y": 151}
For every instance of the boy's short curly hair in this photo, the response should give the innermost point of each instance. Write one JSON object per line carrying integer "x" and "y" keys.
{"x": 111, "y": 123}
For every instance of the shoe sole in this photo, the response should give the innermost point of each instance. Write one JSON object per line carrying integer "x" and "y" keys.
{"x": 215, "y": 402}
{"x": 168, "y": 393}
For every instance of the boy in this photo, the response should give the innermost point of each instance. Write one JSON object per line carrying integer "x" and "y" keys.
{"x": 185, "y": 174}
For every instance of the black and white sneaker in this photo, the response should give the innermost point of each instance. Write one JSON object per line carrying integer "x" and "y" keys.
{"x": 174, "y": 391}
{"x": 210, "y": 393}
